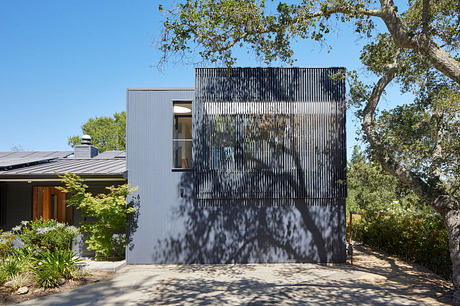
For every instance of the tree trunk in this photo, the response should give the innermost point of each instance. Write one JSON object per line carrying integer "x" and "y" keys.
{"x": 448, "y": 207}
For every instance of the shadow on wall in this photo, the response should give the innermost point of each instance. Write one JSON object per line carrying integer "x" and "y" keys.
{"x": 227, "y": 231}
{"x": 261, "y": 227}
{"x": 132, "y": 223}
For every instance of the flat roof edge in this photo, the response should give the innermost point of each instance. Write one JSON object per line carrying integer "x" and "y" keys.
{"x": 294, "y": 67}
{"x": 163, "y": 89}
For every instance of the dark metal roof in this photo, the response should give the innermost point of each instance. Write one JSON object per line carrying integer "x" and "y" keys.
{"x": 111, "y": 154}
{"x": 94, "y": 167}
{"x": 14, "y": 159}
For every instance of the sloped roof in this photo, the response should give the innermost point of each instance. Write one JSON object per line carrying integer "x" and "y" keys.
{"x": 46, "y": 167}
{"x": 14, "y": 159}
{"x": 111, "y": 154}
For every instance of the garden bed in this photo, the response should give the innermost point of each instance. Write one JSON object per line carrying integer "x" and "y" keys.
{"x": 9, "y": 295}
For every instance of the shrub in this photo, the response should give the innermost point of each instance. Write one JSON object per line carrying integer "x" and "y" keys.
{"x": 419, "y": 238}
{"x": 47, "y": 276}
{"x": 44, "y": 254}
{"x": 6, "y": 244}
{"x": 56, "y": 265}
{"x": 48, "y": 235}
{"x": 107, "y": 228}
{"x": 14, "y": 265}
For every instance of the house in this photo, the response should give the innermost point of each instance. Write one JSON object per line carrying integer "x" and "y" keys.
{"x": 28, "y": 181}
{"x": 248, "y": 166}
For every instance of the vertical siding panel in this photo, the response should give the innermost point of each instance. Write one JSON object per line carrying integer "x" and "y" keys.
{"x": 311, "y": 107}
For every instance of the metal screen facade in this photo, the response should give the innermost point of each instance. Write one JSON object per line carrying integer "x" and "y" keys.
{"x": 271, "y": 135}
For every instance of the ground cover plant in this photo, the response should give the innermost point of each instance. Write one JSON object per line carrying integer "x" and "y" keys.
{"x": 42, "y": 256}
{"x": 106, "y": 228}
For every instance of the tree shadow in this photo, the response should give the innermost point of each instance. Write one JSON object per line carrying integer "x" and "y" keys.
{"x": 133, "y": 220}
{"x": 257, "y": 292}
{"x": 283, "y": 199}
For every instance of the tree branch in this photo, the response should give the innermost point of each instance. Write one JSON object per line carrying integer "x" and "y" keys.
{"x": 420, "y": 43}
{"x": 387, "y": 162}
{"x": 426, "y": 16}
{"x": 438, "y": 150}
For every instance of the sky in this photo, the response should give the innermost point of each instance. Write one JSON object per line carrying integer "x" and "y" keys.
{"x": 66, "y": 61}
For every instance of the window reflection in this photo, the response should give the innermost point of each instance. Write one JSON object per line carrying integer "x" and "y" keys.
{"x": 182, "y": 135}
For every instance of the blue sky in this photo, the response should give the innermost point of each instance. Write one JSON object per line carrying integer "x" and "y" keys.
{"x": 66, "y": 61}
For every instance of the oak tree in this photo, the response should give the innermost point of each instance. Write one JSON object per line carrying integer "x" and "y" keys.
{"x": 418, "y": 48}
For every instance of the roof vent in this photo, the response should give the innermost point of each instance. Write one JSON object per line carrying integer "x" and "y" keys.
{"x": 86, "y": 140}
{"x": 85, "y": 149}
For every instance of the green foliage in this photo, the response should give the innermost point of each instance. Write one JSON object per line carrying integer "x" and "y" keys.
{"x": 107, "y": 228}
{"x": 373, "y": 190}
{"x": 52, "y": 266}
{"x": 425, "y": 135}
{"x": 6, "y": 243}
{"x": 48, "y": 235}
{"x": 10, "y": 266}
{"x": 15, "y": 264}
{"x": 47, "y": 276}
{"x": 107, "y": 133}
{"x": 418, "y": 143}
{"x": 44, "y": 255}
{"x": 418, "y": 238}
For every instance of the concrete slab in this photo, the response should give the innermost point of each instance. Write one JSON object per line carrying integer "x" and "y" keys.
{"x": 112, "y": 266}
{"x": 380, "y": 280}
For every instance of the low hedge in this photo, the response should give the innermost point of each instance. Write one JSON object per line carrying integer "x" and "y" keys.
{"x": 422, "y": 240}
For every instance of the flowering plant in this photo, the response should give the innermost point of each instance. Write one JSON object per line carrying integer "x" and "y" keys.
{"x": 46, "y": 234}
{"x": 6, "y": 243}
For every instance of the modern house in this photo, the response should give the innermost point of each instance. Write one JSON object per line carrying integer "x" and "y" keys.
{"x": 28, "y": 181}
{"x": 248, "y": 166}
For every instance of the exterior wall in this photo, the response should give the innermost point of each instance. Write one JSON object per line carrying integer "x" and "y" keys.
{"x": 16, "y": 201}
{"x": 17, "y": 205}
{"x": 171, "y": 226}
{"x": 149, "y": 164}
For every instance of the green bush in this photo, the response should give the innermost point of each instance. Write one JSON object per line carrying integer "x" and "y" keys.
{"x": 46, "y": 235}
{"x": 9, "y": 267}
{"x": 14, "y": 265}
{"x": 106, "y": 232}
{"x": 47, "y": 276}
{"x": 53, "y": 266}
{"x": 6, "y": 244}
{"x": 418, "y": 238}
{"x": 44, "y": 254}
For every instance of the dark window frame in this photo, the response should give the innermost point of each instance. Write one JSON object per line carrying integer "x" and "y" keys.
{"x": 174, "y": 124}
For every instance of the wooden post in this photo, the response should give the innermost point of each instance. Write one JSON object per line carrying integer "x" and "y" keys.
{"x": 349, "y": 226}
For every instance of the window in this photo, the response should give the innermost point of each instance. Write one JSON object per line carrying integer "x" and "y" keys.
{"x": 182, "y": 135}
{"x": 49, "y": 203}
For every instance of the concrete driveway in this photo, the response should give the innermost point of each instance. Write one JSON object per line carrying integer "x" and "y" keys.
{"x": 390, "y": 282}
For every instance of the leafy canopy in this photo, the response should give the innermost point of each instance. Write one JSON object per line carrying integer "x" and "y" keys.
{"x": 107, "y": 133}
{"x": 107, "y": 226}
{"x": 373, "y": 190}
